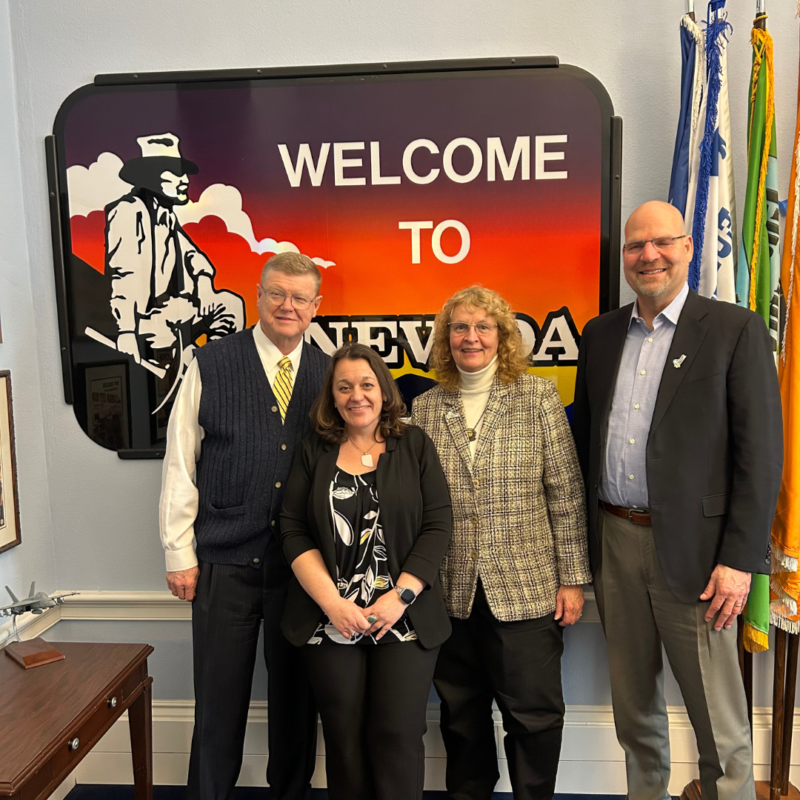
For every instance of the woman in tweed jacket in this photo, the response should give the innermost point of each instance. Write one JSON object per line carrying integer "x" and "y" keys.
{"x": 514, "y": 570}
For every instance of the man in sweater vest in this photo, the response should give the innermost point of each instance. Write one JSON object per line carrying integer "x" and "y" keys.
{"x": 243, "y": 408}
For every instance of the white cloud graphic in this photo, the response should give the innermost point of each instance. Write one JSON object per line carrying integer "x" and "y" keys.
{"x": 93, "y": 188}
{"x": 225, "y": 202}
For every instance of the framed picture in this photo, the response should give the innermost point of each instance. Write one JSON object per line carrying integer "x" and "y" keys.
{"x": 9, "y": 497}
{"x": 108, "y": 418}
{"x": 403, "y": 182}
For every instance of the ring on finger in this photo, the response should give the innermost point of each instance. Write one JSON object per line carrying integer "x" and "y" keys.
{"x": 372, "y": 619}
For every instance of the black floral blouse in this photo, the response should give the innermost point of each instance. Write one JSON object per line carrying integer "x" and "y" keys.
{"x": 362, "y": 573}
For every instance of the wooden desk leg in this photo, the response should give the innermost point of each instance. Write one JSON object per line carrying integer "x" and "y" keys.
{"x": 140, "y": 718}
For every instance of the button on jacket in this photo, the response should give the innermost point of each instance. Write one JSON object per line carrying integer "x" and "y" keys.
{"x": 519, "y": 520}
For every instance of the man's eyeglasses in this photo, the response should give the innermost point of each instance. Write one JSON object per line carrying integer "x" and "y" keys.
{"x": 277, "y": 298}
{"x": 462, "y": 328}
{"x": 660, "y": 243}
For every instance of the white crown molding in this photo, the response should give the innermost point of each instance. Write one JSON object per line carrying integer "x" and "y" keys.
{"x": 148, "y": 606}
{"x": 142, "y": 606}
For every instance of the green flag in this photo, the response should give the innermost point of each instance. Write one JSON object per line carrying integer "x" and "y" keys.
{"x": 758, "y": 270}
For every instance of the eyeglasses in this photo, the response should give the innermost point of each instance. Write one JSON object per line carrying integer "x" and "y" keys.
{"x": 660, "y": 243}
{"x": 278, "y": 298}
{"x": 462, "y": 328}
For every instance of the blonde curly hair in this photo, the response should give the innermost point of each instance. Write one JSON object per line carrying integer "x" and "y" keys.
{"x": 512, "y": 361}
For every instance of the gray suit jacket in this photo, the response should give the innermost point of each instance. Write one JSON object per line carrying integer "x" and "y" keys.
{"x": 715, "y": 448}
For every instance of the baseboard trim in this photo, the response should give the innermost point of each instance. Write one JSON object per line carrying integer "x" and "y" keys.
{"x": 591, "y": 761}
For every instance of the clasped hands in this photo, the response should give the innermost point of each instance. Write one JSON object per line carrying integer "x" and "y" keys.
{"x": 727, "y": 589}
{"x": 348, "y": 618}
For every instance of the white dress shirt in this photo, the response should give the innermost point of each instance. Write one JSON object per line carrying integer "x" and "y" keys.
{"x": 623, "y": 481}
{"x": 179, "y": 496}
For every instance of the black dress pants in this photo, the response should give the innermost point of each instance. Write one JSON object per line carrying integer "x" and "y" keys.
{"x": 519, "y": 665}
{"x": 373, "y": 703}
{"x": 231, "y": 602}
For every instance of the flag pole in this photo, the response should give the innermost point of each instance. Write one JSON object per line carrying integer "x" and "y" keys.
{"x": 690, "y": 9}
{"x": 761, "y": 15}
{"x": 788, "y": 709}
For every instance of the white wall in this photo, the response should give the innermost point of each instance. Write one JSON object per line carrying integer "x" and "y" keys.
{"x": 105, "y": 509}
{"x": 35, "y": 558}
{"x": 102, "y": 511}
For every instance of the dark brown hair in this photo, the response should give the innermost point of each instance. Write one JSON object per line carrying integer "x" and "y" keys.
{"x": 326, "y": 418}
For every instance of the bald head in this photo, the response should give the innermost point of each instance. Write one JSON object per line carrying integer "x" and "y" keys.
{"x": 657, "y": 254}
{"x": 655, "y": 213}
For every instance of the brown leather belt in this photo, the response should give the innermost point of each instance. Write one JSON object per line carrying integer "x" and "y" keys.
{"x": 638, "y": 516}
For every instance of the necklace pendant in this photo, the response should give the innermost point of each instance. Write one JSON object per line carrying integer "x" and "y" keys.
{"x": 472, "y": 434}
{"x": 366, "y": 460}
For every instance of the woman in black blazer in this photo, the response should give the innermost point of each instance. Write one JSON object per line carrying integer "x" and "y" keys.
{"x": 366, "y": 522}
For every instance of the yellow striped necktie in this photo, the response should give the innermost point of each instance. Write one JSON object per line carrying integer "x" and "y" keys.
{"x": 283, "y": 385}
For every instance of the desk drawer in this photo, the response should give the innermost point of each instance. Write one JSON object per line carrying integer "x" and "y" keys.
{"x": 93, "y": 729}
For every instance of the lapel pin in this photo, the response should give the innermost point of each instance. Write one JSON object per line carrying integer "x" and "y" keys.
{"x": 678, "y": 361}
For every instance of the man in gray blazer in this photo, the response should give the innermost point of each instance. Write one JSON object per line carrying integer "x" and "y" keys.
{"x": 677, "y": 421}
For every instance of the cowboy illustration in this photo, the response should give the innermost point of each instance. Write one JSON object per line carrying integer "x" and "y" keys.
{"x": 162, "y": 285}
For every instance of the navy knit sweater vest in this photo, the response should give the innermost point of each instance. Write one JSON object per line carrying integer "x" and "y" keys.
{"x": 246, "y": 452}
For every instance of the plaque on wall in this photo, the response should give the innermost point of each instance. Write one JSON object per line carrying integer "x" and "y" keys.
{"x": 403, "y": 182}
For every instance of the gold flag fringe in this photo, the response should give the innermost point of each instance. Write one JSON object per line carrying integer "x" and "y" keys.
{"x": 762, "y": 44}
{"x": 755, "y": 641}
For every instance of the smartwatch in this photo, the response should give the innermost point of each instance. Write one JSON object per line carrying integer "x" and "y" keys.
{"x": 406, "y": 595}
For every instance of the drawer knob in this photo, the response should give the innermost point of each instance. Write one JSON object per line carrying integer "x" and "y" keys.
{"x": 112, "y": 703}
{"x": 74, "y": 744}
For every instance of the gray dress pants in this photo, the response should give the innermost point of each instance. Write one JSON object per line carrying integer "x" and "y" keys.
{"x": 639, "y": 614}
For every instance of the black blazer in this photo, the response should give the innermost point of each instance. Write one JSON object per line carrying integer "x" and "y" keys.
{"x": 715, "y": 448}
{"x": 415, "y": 509}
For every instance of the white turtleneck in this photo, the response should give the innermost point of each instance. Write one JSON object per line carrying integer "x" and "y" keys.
{"x": 475, "y": 388}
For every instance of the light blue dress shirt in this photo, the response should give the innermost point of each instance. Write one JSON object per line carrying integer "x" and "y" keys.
{"x": 624, "y": 478}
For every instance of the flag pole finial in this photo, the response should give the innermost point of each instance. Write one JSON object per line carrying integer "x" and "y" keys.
{"x": 690, "y": 8}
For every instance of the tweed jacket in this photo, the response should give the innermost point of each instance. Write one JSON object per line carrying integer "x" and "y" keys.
{"x": 519, "y": 516}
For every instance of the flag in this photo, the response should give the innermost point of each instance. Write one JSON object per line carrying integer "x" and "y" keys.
{"x": 687, "y": 137}
{"x": 710, "y": 213}
{"x": 759, "y": 262}
{"x": 701, "y": 183}
{"x": 785, "y": 583}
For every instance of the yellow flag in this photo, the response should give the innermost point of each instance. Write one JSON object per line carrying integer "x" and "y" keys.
{"x": 785, "y": 582}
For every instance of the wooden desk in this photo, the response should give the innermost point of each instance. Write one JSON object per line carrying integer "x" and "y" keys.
{"x": 51, "y": 716}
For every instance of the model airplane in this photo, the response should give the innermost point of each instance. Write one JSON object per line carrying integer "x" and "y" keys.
{"x": 36, "y": 602}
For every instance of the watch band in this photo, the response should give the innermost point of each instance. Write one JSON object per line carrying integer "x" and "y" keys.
{"x": 408, "y": 596}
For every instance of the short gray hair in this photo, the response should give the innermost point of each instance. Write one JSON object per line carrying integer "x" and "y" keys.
{"x": 292, "y": 264}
